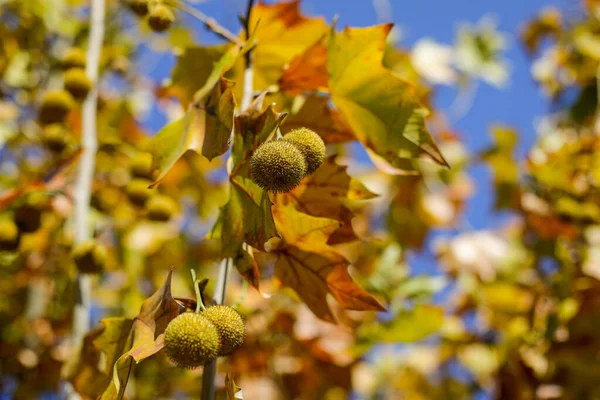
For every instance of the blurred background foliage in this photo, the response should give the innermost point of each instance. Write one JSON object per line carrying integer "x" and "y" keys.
{"x": 512, "y": 313}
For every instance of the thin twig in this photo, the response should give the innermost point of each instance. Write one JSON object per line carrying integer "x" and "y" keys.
{"x": 209, "y": 22}
{"x": 248, "y": 72}
{"x": 210, "y": 370}
{"x": 83, "y": 185}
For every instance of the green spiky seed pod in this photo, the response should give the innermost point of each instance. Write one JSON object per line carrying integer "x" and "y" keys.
{"x": 278, "y": 166}
{"x": 139, "y": 7}
{"x": 77, "y": 83}
{"x": 191, "y": 340}
{"x": 55, "y": 106}
{"x": 310, "y": 144}
{"x": 9, "y": 234}
{"x": 55, "y": 138}
{"x": 89, "y": 257}
{"x": 230, "y": 327}
{"x": 161, "y": 18}
{"x": 138, "y": 192}
{"x": 141, "y": 166}
{"x": 74, "y": 58}
{"x": 161, "y": 208}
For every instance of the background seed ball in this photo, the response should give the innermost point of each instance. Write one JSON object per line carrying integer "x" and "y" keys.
{"x": 230, "y": 327}
{"x": 191, "y": 340}
{"x": 138, "y": 192}
{"x": 90, "y": 257}
{"x": 74, "y": 58}
{"x": 141, "y": 166}
{"x": 28, "y": 217}
{"x": 55, "y": 137}
{"x": 77, "y": 83}
{"x": 161, "y": 208}
{"x": 55, "y": 106}
{"x": 161, "y": 18}
{"x": 139, "y": 7}
{"x": 310, "y": 144}
{"x": 277, "y": 166}
{"x": 9, "y": 234}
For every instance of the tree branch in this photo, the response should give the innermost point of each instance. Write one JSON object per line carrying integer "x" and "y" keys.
{"x": 209, "y": 22}
{"x": 83, "y": 185}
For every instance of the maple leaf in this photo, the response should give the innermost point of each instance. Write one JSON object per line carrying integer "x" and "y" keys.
{"x": 306, "y": 72}
{"x": 379, "y": 107}
{"x": 282, "y": 32}
{"x": 305, "y": 263}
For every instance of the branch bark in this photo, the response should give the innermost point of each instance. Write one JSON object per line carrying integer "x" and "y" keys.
{"x": 209, "y": 22}
{"x": 83, "y": 185}
{"x": 208, "y": 377}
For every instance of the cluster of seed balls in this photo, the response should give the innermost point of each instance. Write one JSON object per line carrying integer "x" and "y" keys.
{"x": 56, "y": 105}
{"x": 280, "y": 165}
{"x": 160, "y": 15}
{"x": 195, "y": 339}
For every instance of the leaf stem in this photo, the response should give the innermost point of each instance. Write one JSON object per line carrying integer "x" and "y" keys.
{"x": 199, "y": 303}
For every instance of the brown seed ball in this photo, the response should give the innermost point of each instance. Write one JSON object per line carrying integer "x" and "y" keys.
{"x": 138, "y": 192}
{"x": 9, "y": 234}
{"x": 139, "y": 7}
{"x": 310, "y": 144}
{"x": 77, "y": 83}
{"x": 230, "y": 327}
{"x": 278, "y": 166}
{"x": 55, "y": 106}
{"x": 141, "y": 166}
{"x": 28, "y": 217}
{"x": 90, "y": 257}
{"x": 56, "y": 137}
{"x": 161, "y": 18}
{"x": 191, "y": 340}
{"x": 74, "y": 58}
{"x": 161, "y": 208}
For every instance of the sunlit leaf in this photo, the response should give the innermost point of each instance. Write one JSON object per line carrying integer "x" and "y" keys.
{"x": 379, "y": 107}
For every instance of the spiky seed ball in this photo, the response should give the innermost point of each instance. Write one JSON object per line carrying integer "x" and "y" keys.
{"x": 161, "y": 18}
{"x": 77, "y": 83}
{"x": 89, "y": 257}
{"x": 191, "y": 340}
{"x": 141, "y": 166}
{"x": 310, "y": 144}
{"x": 55, "y": 137}
{"x": 55, "y": 106}
{"x": 9, "y": 234}
{"x": 139, "y": 7}
{"x": 277, "y": 166}
{"x": 161, "y": 208}
{"x": 138, "y": 192}
{"x": 74, "y": 58}
{"x": 230, "y": 327}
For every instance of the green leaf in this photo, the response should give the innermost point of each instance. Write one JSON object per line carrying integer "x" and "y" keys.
{"x": 379, "y": 107}
{"x": 408, "y": 326}
{"x": 205, "y": 128}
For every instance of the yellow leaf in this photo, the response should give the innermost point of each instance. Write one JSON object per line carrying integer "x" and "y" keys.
{"x": 380, "y": 108}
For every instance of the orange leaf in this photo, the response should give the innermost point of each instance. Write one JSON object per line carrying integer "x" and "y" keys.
{"x": 313, "y": 269}
{"x": 306, "y": 72}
